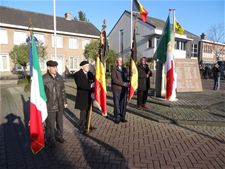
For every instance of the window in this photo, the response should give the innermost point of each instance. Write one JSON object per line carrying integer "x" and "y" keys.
{"x": 59, "y": 41}
{"x": 121, "y": 40}
{"x": 182, "y": 46}
{"x": 73, "y": 43}
{"x": 42, "y": 64}
{"x": 85, "y": 42}
{"x": 194, "y": 50}
{"x": 40, "y": 37}
{"x": 3, "y": 36}
{"x": 4, "y": 62}
{"x": 73, "y": 64}
{"x": 20, "y": 38}
{"x": 150, "y": 43}
{"x": 157, "y": 41}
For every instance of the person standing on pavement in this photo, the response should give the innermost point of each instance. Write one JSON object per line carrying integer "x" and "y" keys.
{"x": 56, "y": 102}
{"x": 119, "y": 84}
{"x": 216, "y": 76}
{"x": 144, "y": 74}
{"x": 84, "y": 80}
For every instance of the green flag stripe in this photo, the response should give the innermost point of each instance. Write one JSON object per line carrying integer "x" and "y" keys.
{"x": 161, "y": 52}
{"x": 37, "y": 67}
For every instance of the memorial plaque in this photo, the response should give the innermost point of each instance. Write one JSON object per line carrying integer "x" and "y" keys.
{"x": 188, "y": 75}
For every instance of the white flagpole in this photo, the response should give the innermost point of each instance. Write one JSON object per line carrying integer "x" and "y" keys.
{"x": 54, "y": 16}
{"x": 131, "y": 23}
{"x": 173, "y": 97}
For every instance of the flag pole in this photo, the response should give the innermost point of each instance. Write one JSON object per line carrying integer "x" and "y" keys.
{"x": 173, "y": 96}
{"x": 131, "y": 23}
{"x": 54, "y": 17}
{"x": 89, "y": 118}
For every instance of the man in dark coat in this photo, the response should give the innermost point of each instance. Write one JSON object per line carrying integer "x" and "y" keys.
{"x": 216, "y": 76}
{"x": 120, "y": 84}
{"x": 56, "y": 102}
{"x": 144, "y": 74}
{"x": 84, "y": 80}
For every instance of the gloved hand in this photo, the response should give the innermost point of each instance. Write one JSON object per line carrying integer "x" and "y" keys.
{"x": 93, "y": 85}
{"x": 93, "y": 96}
{"x": 125, "y": 84}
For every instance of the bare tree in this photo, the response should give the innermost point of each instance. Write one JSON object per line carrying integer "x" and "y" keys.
{"x": 216, "y": 34}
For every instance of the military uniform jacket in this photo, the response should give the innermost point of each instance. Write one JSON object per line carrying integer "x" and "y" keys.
{"x": 83, "y": 82}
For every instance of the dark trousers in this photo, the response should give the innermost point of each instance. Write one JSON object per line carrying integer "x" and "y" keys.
{"x": 54, "y": 119}
{"x": 216, "y": 83}
{"x": 120, "y": 101}
{"x": 142, "y": 96}
{"x": 84, "y": 119}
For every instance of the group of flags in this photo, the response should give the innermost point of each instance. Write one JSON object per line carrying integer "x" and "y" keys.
{"x": 164, "y": 53}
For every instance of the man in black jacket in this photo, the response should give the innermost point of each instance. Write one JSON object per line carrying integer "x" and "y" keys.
{"x": 120, "y": 84}
{"x": 84, "y": 80}
{"x": 56, "y": 102}
{"x": 144, "y": 74}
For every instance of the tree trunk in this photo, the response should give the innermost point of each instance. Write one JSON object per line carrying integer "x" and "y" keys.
{"x": 24, "y": 72}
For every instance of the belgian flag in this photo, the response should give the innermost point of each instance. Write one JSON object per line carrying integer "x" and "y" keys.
{"x": 100, "y": 81}
{"x": 137, "y": 6}
{"x": 133, "y": 68}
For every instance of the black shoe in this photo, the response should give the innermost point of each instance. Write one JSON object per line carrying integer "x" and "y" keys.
{"x": 124, "y": 121}
{"x": 60, "y": 139}
{"x": 117, "y": 121}
{"x": 82, "y": 131}
{"x": 51, "y": 144}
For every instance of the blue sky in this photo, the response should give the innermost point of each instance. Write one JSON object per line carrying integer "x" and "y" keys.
{"x": 195, "y": 16}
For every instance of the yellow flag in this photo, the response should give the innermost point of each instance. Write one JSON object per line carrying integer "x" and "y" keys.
{"x": 178, "y": 27}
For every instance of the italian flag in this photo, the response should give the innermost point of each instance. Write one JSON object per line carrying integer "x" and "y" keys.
{"x": 164, "y": 53}
{"x": 38, "y": 108}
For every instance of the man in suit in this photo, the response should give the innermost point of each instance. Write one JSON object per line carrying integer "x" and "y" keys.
{"x": 84, "y": 80}
{"x": 56, "y": 102}
{"x": 144, "y": 74}
{"x": 120, "y": 84}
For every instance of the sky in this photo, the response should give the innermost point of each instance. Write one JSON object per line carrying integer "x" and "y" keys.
{"x": 196, "y": 16}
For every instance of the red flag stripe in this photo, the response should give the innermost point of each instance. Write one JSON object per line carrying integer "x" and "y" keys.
{"x": 100, "y": 96}
{"x": 170, "y": 82}
{"x": 37, "y": 135}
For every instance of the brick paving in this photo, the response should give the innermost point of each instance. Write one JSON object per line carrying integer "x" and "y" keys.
{"x": 139, "y": 144}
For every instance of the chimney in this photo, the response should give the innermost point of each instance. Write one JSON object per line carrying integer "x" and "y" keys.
{"x": 68, "y": 16}
{"x": 203, "y": 36}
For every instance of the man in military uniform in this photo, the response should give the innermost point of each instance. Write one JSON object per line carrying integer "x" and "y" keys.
{"x": 56, "y": 102}
{"x": 84, "y": 80}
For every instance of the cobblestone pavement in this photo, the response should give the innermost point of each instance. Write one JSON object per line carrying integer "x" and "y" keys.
{"x": 138, "y": 144}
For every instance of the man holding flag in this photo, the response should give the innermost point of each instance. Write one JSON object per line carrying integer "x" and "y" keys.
{"x": 119, "y": 84}
{"x": 56, "y": 102}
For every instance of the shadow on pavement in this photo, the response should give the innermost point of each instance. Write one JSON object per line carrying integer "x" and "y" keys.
{"x": 201, "y": 133}
{"x": 99, "y": 154}
{"x": 71, "y": 117}
{"x": 26, "y": 111}
{"x": 218, "y": 115}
